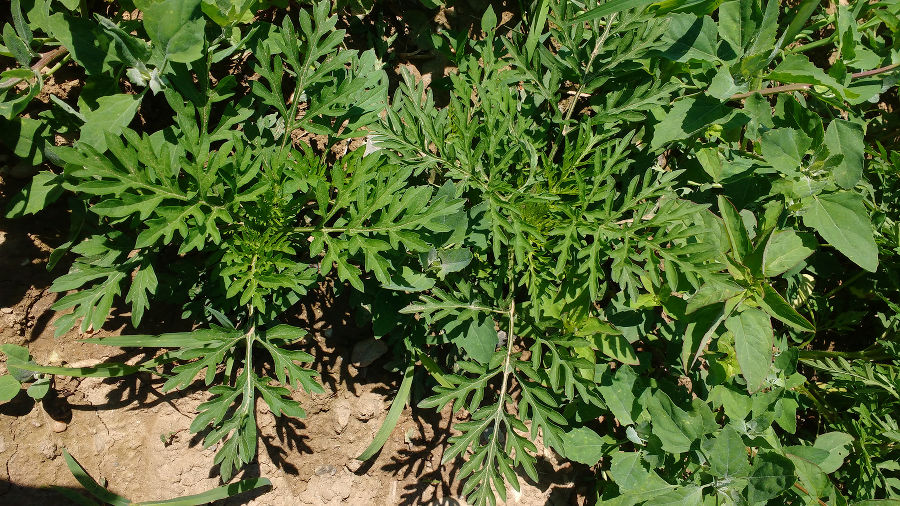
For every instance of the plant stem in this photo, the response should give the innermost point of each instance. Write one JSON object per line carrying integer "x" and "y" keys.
{"x": 798, "y": 86}
{"x": 872, "y": 353}
{"x": 845, "y": 284}
{"x": 578, "y": 91}
{"x": 799, "y": 487}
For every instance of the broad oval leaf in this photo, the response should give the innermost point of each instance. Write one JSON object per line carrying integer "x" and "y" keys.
{"x": 753, "y": 340}
{"x": 785, "y": 249}
{"x": 841, "y": 219}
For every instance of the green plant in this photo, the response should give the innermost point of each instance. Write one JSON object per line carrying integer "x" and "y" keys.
{"x": 631, "y": 235}
{"x": 105, "y": 496}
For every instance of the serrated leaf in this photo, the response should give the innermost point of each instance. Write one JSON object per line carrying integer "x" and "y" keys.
{"x": 688, "y": 117}
{"x": 143, "y": 285}
{"x": 44, "y": 189}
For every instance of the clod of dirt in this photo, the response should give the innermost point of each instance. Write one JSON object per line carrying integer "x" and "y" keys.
{"x": 369, "y": 406}
{"x": 50, "y": 450}
{"x": 342, "y": 413}
{"x": 58, "y": 426}
{"x": 326, "y": 470}
{"x": 367, "y": 351}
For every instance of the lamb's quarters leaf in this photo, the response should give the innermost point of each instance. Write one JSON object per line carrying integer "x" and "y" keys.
{"x": 585, "y": 446}
{"x": 410, "y": 281}
{"x": 784, "y": 149}
{"x": 9, "y": 388}
{"x": 737, "y": 404}
{"x": 691, "y": 38}
{"x": 488, "y": 20}
{"x": 723, "y": 86}
{"x": 838, "y": 446}
{"x": 616, "y": 347}
{"x": 841, "y": 219}
{"x": 772, "y": 474}
{"x": 786, "y": 414}
{"x": 611, "y": 7}
{"x": 26, "y": 138}
{"x": 688, "y": 117}
{"x": 628, "y": 471}
{"x": 846, "y": 138}
{"x": 785, "y": 249}
{"x": 480, "y": 340}
{"x": 176, "y": 26}
{"x": 454, "y": 260}
{"x": 712, "y": 292}
{"x": 810, "y": 453}
{"x": 774, "y": 304}
{"x": 112, "y": 115}
{"x": 617, "y": 390}
{"x": 85, "y": 40}
{"x": 811, "y": 476}
{"x": 789, "y": 112}
{"x": 753, "y": 341}
{"x": 45, "y": 187}
{"x": 796, "y": 68}
{"x": 676, "y": 428}
{"x": 728, "y": 456}
{"x": 636, "y": 483}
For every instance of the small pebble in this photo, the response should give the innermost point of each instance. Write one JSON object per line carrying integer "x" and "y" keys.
{"x": 59, "y": 426}
{"x": 6, "y": 310}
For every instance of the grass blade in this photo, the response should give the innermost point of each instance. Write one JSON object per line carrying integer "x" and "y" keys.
{"x": 392, "y": 417}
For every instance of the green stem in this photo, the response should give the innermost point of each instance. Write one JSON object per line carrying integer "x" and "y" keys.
{"x": 800, "y": 86}
{"x": 804, "y": 11}
{"x": 845, "y": 284}
{"x": 812, "y": 45}
{"x": 597, "y": 47}
{"x": 873, "y": 354}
